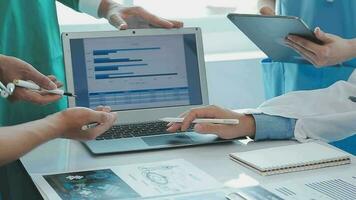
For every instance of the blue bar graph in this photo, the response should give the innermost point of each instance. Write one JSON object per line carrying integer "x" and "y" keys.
{"x": 116, "y": 67}
{"x": 106, "y": 76}
{"x": 108, "y": 60}
{"x": 118, "y": 75}
{"x": 106, "y": 52}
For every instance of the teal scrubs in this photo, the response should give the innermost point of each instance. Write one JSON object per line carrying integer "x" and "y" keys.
{"x": 333, "y": 16}
{"x": 29, "y": 30}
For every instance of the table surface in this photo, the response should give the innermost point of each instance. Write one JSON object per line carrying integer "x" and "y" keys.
{"x": 64, "y": 155}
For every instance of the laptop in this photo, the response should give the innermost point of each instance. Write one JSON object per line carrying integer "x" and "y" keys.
{"x": 143, "y": 75}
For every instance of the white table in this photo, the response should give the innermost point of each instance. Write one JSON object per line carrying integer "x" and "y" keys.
{"x": 64, "y": 155}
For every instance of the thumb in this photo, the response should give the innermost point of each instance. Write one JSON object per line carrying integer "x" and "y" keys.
{"x": 40, "y": 79}
{"x": 321, "y": 35}
{"x": 100, "y": 117}
{"x": 105, "y": 120}
{"x": 117, "y": 21}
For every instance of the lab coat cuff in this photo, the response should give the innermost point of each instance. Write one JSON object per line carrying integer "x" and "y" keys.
{"x": 248, "y": 111}
{"x": 91, "y": 7}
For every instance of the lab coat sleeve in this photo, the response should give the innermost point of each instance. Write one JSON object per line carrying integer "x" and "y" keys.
{"x": 90, "y": 7}
{"x": 74, "y": 4}
{"x": 325, "y": 114}
{"x": 327, "y": 128}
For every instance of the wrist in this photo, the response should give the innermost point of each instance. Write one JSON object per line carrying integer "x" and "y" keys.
{"x": 249, "y": 125}
{"x": 352, "y": 50}
{"x": 55, "y": 123}
{"x": 104, "y": 8}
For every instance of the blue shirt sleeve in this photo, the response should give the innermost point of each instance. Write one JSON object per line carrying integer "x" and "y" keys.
{"x": 270, "y": 127}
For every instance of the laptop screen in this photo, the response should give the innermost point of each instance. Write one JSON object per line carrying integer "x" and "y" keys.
{"x": 136, "y": 72}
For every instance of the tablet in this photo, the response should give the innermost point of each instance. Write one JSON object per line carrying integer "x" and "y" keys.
{"x": 268, "y": 33}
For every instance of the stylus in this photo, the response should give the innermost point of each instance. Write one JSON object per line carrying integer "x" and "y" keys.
{"x": 33, "y": 86}
{"x": 200, "y": 121}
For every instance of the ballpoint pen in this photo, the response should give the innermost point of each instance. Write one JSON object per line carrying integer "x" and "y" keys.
{"x": 33, "y": 86}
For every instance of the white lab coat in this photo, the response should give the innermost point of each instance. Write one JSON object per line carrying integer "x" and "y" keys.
{"x": 323, "y": 114}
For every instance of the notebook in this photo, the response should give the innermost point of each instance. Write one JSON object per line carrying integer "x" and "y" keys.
{"x": 291, "y": 158}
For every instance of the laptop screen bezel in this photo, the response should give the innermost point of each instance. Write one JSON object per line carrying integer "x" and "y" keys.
{"x": 147, "y": 114}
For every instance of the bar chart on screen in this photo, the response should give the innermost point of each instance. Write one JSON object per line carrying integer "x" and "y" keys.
{"x": 129, "y": 73}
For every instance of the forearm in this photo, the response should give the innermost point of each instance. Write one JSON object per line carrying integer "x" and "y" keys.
{"x": 16, "y": 141}
{"x": 273, "y": 127}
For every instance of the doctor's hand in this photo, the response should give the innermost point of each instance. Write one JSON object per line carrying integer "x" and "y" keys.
{"x": 133, "y": 17}
{"x": 266, "y": 7}
{"x": 246, "y": 127}
{"x": 335, "y": 49}
{"x": 69, "y": 123}
{"x": 266, "y": 10}
{"x": 12, "y": 68}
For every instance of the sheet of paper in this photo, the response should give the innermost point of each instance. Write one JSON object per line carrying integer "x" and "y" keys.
{"x": 330, "y": 186}
{"x": 127, "y": 182}
{"x": 166, "y": 178}
{"x": 206, "y": 195}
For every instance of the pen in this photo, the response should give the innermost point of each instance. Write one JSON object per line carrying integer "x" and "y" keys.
{"x": 199, "y": 121}
{"x": 33, "y": 86}
{"x": 89, "y": 126}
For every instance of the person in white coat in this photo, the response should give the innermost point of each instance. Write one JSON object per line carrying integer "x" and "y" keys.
{"x": 327, "y": 114}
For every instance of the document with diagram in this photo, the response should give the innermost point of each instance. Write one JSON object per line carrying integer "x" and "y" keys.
{"x": 127, "y": 182}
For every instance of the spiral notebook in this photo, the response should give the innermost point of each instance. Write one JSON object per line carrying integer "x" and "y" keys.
{"x": 291, "y": 158}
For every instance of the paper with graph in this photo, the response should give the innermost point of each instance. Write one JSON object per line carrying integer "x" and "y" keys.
{"x": 126, "y": 182}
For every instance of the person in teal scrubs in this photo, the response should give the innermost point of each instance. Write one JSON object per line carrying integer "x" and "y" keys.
{"x": 337, "y": 17}
{"x": 30, "y": 32}
{"x": 332, "y": 16}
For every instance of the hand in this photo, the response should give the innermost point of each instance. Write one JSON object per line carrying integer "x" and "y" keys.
{"x": 132, "y": 17}
{"x": 71, "y": 121}
{"x": 246, "y": 127}
{"x": 12, "y": 68}
{"x": 335, "y": 49}
{"x": 266, "y": 10}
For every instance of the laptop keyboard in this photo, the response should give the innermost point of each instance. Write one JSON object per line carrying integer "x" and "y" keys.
{"x": 136, "y": 130}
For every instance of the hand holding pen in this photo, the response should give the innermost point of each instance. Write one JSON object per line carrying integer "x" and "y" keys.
{"x": 12, "y": 68}
{"x": 35, "y": 87}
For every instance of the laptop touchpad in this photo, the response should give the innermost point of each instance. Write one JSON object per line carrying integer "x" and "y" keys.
{"x": 174, "y": 139}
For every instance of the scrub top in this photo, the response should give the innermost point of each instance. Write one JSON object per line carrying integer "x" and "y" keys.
{"x": 30, "y": 31}
{"x": 332, "y": 16}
